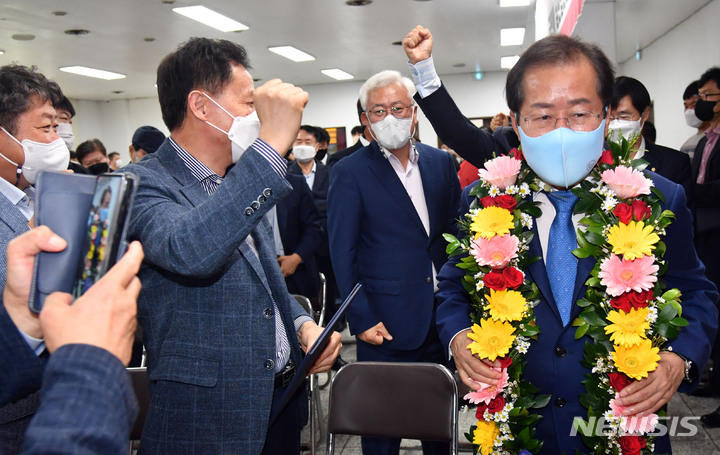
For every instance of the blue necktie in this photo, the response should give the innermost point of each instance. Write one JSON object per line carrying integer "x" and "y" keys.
{"x": 561, "y": 264}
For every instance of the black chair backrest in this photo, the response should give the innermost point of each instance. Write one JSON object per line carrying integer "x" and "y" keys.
{"x": 397, "y": 400}
{"x": 139, "y": 379}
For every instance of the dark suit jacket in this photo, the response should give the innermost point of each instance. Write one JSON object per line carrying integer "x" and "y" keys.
{"x": 12, "y": 224}
{"x": 19, "y": 383}
{"x": 671, "y": 164}
{"x": 320, "y": 195}
{"x": 340, "y": 154}
{"x": 207, "y": 302}
{"x": 460, "y": 134}
{"x": 559, "y": 372}
{"x": 88, "y": 405}
{"x": 301, "y": 233}
{"x": 706, "y": 196}
{"x": 377, "y": 238}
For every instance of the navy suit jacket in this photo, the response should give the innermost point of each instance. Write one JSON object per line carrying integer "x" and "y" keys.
{"x": 301, "y": 233}
{"x": 553, "y": 361}
{"x": 206, "y": 306}
{"x": 319, "y": 190}
{"x": 88, "y": 405}
{"x": 19, "y": 384}
{"x": 671, "y": 164}
{"x": 377, "y": 238}
{"x": 340, "y": 154}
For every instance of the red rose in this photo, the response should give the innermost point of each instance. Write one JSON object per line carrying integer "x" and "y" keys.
{"x": 640, "y": 299}
{"x": 622, "y": 302}
{"x": 496, "y": 404}
{"x": 480, "y": 411}
{"x": 516, "y": 153}
{"x": 494, "y": 280}
{"x": 619, "y": 381}
{"x": 640, "y": 210}
{"x": 488, "y": 201}
{"x": 506, "y": 202}
{"x": 505, "y": 361}
{"x": 606, "y": 157}
{"x": 513, "y": 277}
{"x": 632, "y": 445}
{"x": 623, "y": 212}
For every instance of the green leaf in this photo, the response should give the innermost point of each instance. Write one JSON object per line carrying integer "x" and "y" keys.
{"x": 679, "y": 322}
{"x": 581, "y": 331}
{"x": 672, "y": 294}
{"x": 667, "y": 313}
{"x": 592, "y": 318}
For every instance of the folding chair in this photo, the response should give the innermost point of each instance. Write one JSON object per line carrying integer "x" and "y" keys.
{"x": 315, "y": 411}
{"x": 394, "y": 400}
{"x": 138, "y": 377}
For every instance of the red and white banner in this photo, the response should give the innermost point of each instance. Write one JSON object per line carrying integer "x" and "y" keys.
{"x": 556, "y": 16}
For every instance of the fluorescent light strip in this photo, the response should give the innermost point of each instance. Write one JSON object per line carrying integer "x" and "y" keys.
{"x": 512, "y": 36}
{"x": 92, "y": 72}
{"x": 510, "y": 3}
{"x": 337, "y": 74}
{"x": 2, "y": 52}
{"x": 508, "y": 62}
{"x": 289, "y": 52}
{"x": 211, "y": 18}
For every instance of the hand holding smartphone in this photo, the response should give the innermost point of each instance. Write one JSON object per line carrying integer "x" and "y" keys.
{"x": 90, "y": 213}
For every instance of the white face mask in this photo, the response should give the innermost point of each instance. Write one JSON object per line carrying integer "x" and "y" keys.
{"x": 64, "y": 130}
{"x": 243, "y": 131}
{"x": 691, "y": 120}
{"x": 39, "y": 156}
{"x": 303, "y": 153}
{"x": 628, "y": 129}
{"x": 391, "y": 132}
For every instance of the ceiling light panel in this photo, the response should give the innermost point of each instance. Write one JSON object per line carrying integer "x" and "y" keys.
{"x": 337, "y": 74}
{"x": 92, "y": 72}
{"x": 296, "y": 55}
{"x": 211, "y": 18}
{"x": 508, "y": 62}
{"x": 510, "y": 3}
{"x": 512, "y": 36}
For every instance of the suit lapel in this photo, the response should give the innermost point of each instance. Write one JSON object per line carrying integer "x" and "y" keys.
{"x": 430, "y": 184}
{"x": 385, "y": 173}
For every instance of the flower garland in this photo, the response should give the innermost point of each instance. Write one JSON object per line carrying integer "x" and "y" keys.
{"x": 498, "y": 233}
{"x": 627, "y": 311}
{"x": 626, "y": 314}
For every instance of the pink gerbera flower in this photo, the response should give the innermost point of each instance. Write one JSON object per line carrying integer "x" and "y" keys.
{"x": 484, "y": 393}
{"x": 621, "y": 275}
{"x": 496, "y": 251}
{"x": 501, "y": 171}
{"x": 635, "y": 424}
{"x": 626, "y": 182}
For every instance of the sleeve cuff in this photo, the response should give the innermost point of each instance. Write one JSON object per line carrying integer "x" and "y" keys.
{"x": 450, "y": 353}
{"x": 302, "y": 320}
{"x": 277, "y": 162}
{"x": 425, "y": 77}
{"x": 36, "y": 344}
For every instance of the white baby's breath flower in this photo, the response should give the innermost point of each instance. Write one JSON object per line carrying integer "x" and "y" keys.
{"x": 512, "y": 189}
{"x": 609, "y": 204}
{"x": 524, "y": 189}
{"x": 494, "y": 191}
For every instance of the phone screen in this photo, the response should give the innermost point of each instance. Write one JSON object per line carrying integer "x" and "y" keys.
{"x": 105, "y": 229}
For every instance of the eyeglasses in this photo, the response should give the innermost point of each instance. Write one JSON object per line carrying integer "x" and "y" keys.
{"x": 398, "y": 111}
{"x": 624, "y": 117}
{"x": 578, "y": 121}
{"x": 704, "y": 96}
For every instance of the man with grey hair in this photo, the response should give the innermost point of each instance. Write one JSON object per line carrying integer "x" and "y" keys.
{"x": 388, "y": 205}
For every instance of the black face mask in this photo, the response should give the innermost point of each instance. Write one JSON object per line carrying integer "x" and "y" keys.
{"x": 704, "y": 110}
{"x": 99, "y": 168}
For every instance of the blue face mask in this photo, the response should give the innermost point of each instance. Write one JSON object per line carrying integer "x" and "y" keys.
{"x": 563, "y": 157}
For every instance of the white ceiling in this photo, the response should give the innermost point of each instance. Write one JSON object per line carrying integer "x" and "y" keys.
{"x": 355, "y": 39}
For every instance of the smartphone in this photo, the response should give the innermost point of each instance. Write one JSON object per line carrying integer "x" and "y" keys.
{"x": 104, "y": 241}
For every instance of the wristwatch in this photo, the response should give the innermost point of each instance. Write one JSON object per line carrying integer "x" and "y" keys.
{"x": 690, "y": 369}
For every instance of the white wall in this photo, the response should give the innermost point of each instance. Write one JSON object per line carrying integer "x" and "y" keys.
{"x": 671, "y": 63}
{"x": 666, "y": 67}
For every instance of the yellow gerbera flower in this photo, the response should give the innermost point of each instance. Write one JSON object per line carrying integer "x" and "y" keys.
{"x": 628, "y": 329}
{"x": 506, "y": 305}
{"x": 491, "y": 339}
{"x": 632, "y": 240}
{"x": 485, "y": 435}
{"x": 491, "y": 221}
{"x": 636, "y": 361}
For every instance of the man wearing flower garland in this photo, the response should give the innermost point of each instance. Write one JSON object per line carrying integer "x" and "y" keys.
{"x": 558, "y": 94}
